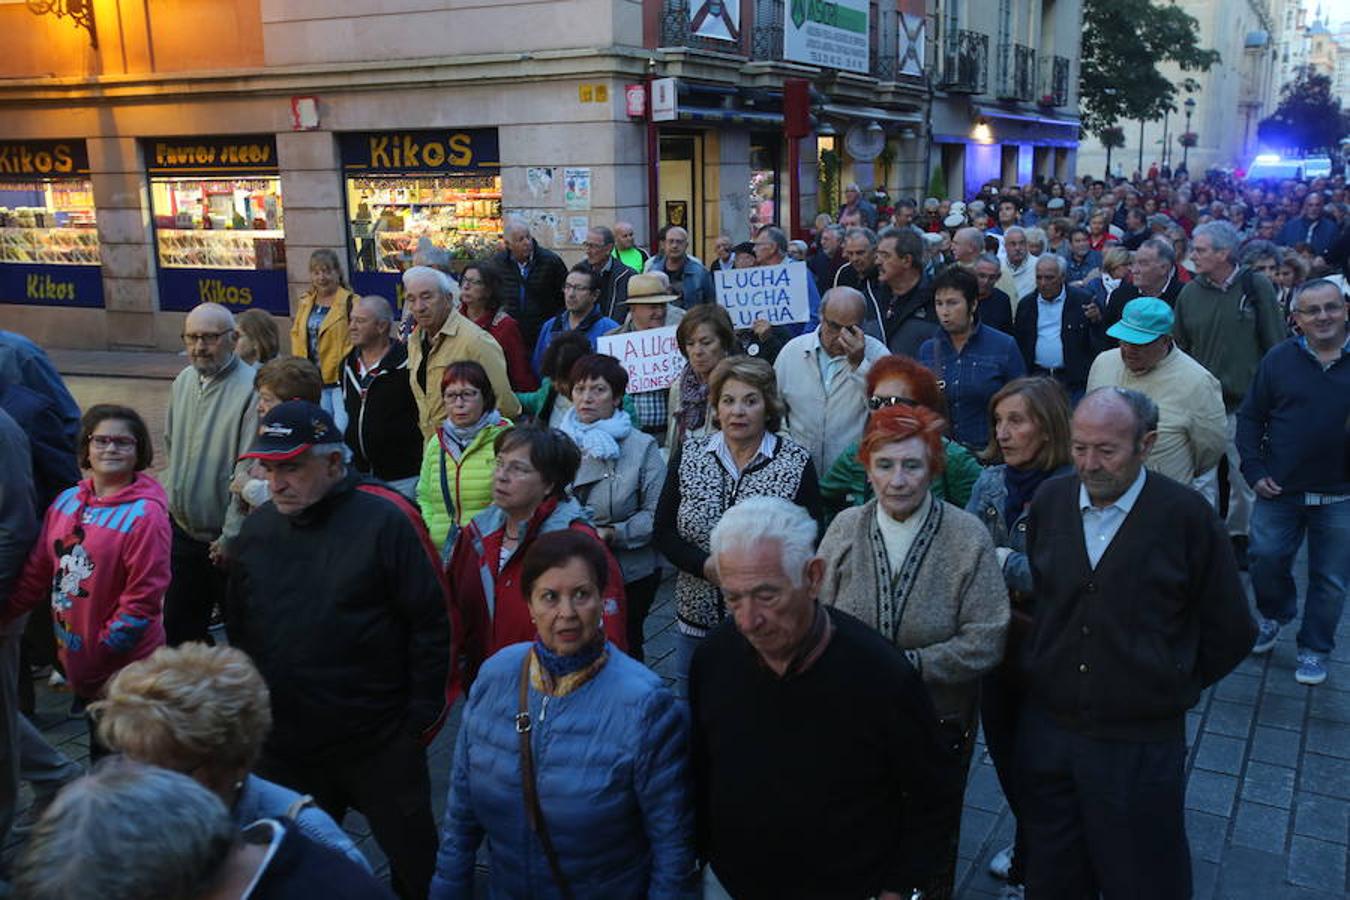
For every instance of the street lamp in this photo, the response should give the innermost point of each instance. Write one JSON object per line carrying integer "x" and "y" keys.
{"x": 1186, "y": 147}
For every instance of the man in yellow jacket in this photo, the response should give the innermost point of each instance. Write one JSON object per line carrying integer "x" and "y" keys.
{"x": 443, "y": 336}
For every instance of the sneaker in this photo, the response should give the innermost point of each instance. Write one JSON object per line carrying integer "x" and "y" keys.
{"x": 1311, "y": 668}
{"x": 1267, "y": 633}
{"x": 1001, "y": 864}
{"x": 1013, "y": 892}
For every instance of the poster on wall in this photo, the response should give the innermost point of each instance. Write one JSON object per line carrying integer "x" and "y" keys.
{"x": 910, "y": 46}
{"x": 833, "y": 35}
{"x": 577, "y": 188}
{"x": 716, "y": 19}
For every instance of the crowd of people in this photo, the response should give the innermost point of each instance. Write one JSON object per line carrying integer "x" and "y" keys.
{"x": 1004, "y": 477}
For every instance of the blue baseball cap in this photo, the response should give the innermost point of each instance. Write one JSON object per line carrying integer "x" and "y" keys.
{"x": 1143, "y": 321}
{"x": 290, "y": 429}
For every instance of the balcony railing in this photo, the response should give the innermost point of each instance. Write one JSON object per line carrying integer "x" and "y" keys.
{"x": 965, "y": 63}
{"x": 675, "y": 30}
{"x": 1054, "y": 81}
{"x": 1016, "y": 72}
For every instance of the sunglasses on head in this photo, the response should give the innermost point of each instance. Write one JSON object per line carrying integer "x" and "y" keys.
{"x": 876, "y": 403}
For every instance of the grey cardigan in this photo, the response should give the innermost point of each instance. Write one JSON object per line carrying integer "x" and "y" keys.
{"x": 951, "y": 604}
{"x": 621, "y": 494}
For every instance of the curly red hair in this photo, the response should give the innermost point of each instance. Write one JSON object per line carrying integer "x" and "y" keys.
{"x": 898, "y": 423}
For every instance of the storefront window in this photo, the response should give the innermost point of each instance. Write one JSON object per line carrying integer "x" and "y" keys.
{"x": 49, "y": 253}
{"x": 763, "y": 187}
{"x": 417, "y": 191}
{"x": 219, "y": 229}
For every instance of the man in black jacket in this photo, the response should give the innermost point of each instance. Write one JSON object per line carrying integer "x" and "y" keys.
{"x": 532, "y": 280}
{"x": 1138, "y": 609}
{"x": 337, "y": 595}
{"x": 817, "y": 767}
{"x": 1059, "y": 329}
{"x": 382, "y": 427}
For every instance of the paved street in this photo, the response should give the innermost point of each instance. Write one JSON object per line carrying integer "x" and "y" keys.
{"x": 1268, "y": 800}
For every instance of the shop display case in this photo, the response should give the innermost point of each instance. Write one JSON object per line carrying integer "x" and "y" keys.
{"x": 220, "y": 223}
{"x": 48, "y": 222}
{"x": 391, "y": 216}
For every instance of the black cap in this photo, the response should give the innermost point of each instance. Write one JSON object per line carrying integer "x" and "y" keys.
{"x": 290, "y": 429}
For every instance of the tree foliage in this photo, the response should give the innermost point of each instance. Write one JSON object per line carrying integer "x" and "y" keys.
{"x": 1123, "y": 43}
{"x": 1309, "y": 116}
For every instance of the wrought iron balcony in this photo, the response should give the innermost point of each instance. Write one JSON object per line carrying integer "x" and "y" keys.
{"x": 676, "y": 30}
{"x": 965, "y": 63}
{"x": 1016, "y": 72}
{"x": 1054, "y": 89}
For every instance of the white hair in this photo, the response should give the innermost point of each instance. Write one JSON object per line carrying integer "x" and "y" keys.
{"x": 763, "y": 519}
{"x": 448, "y": 285}
{"x": 339, "y": 447}
{"x": 1061, "y": 264}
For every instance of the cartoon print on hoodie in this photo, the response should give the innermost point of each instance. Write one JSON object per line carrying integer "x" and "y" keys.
{"x": 73, "y": 568}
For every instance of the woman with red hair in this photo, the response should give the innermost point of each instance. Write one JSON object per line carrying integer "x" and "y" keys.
{"x": 923, "y": 573}
{"x": 905, "y": 381}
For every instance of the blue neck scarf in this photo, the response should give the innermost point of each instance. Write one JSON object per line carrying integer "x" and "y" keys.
{"x": 559, "y": 666}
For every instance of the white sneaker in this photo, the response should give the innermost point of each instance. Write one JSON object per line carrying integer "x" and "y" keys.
{"x": 1001, "y": 864}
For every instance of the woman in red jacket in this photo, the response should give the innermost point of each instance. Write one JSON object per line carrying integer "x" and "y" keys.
{"x": 529, "y": 498}
{"x": 103, "y": 557}
{"x": 480, "y": 300}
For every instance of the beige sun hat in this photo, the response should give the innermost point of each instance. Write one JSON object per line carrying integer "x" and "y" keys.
{"x": 648, "y": 289}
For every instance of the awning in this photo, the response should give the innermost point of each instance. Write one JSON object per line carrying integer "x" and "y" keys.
{"x": 867, "y": 113}
{"x": 993, "y": 112}
{"x": 732, "y": 116}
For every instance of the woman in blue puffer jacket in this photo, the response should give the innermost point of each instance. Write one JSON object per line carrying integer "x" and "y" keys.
{"x": 608, "y": 743}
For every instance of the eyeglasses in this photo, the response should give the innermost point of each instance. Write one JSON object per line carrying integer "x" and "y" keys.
{"x": 465, "y": 396}
{"x": 592, "y": 245}
{"x": 467, "y": 280}
{"x": 205, "y": 337}
{"x": 876, "y": 403}
{"x": 512, "y": 469}
{"x": 574, "y": 288}
{"x": 1313, "y": 312}
{"x": 104, "y": 441}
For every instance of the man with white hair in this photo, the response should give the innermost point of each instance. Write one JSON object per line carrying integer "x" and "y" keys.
{"x": 381, "y": 410}
{"x": 1227, "y": 319}
{"x": 1058, "y": 328}
{"x": 338, "y": 596}
{"x": 442, "y": 336}
{"x": 784, "y": 684}
{"x": 1019, "y": 266}
{"x": 210, "y": 421}
{"x": 532, "y": 279}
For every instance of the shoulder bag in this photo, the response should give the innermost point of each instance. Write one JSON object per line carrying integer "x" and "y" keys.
{"x": 533, "y": 813}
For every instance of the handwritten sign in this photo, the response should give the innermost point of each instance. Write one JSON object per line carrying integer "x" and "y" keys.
{"x": 652, "y": 358}
{"x": 777, "y": 294}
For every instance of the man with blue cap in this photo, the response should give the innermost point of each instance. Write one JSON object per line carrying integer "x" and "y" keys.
{"x": 1192, "y": 431}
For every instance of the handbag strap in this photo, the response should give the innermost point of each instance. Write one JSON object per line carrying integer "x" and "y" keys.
{"x": 445, "y": 486}
{"x": 534, "y": 814}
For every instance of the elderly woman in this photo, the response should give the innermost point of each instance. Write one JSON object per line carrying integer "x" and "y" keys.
{"x": 102, "y": 557}
{"x": 533, "y": 468}
{"x": 708, "y": 474}
{"x": 619, "y": 481}
{"x": 480, "y": 300}
{"x": 319, "y": 330}
{"x": 1115, "y": 269}
{"x": 456, "y": 479}
{"x": 705, "y": 337}
{"x": 899, "y": 380}
{"x": 205, "y": 711}
{"x": 925, "y": 575}
{"x": 1289, "y": 274}
{"x": 259, "y": 338}
{"x": 1028, "y": 444}
{"x": 600, "y": 759}
{"x": 281, "y": 379}
{"x": 972, "y": 360}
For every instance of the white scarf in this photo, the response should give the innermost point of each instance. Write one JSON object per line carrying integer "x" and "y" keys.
{"x": 459, "y": 437}
{"x": 600, "y": 439}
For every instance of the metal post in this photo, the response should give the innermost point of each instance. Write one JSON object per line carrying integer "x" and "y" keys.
{"x": 653, "y": 171}
{"x": 1167, "y": 150}
{"x": 1141, "y": 148}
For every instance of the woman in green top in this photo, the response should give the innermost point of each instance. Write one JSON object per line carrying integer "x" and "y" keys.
{"x": 891, "y": 380}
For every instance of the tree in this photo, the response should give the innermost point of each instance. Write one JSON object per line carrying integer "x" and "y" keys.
{"x": 1309, "y": 116}
{"x": 1112, "y": 138}
{"x": 1123, "y": 42}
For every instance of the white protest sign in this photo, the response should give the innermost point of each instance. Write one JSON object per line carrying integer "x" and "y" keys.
{"x": 652, "y": 358}
{"x": 777, "y": 294}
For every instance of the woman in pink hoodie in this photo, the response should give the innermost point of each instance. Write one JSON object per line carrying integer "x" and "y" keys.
{"x": 103, "y": 556}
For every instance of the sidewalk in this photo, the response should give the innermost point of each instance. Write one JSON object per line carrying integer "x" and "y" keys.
{"x": 118, "y": 363}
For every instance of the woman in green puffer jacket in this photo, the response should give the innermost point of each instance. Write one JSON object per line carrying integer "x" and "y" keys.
{"x": 456, "y": 479}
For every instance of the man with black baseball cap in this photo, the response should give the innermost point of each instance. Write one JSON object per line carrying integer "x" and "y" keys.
{"x": 337, "y": 594}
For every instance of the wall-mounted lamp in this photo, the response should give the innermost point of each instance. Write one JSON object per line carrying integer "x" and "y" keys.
{"x": 874, "y": 126}
{"x": 81, "y": 11}
{"x": 908, "y": 134}
{"x": 825, "y": 129}
{"x": 982, "y": 133}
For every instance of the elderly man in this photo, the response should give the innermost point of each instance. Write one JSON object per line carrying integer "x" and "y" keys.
{"x": 1153, "y": 273}
{"x": 614, "y": 274}
{"x": 1019, "y": 266}
{"x": 532, "y": 279}
{"x": 967, "y": 245}
{"x": 649, "y": 307}
{"x": 818, "y": 770}
{"x": 826, "y": 262}
{"x": 822, "y": 376}
{"x": 442, "y": 336}
{"x": 381, "y": 410}
{"x": 689, "y": 280}
{"x": 903, "y": 305}
{"x": 626, "y": 249}
{"x": 1227, "y": 319}
{"x": 995, "y": 307}
{"x": 1059, "y": 329}
{"x": 1192, "y": 426}
{"x": 855, "y": 204}
{"x": 1139, "y": 608}
{"x": 338, "y": 596}
{"x": 581, "y": 313}
{"x": 771, "y": 247}
{"x": 1294, "y": 438}
{"x": 1311, "y": 227}
{"x": 210, "y": 421}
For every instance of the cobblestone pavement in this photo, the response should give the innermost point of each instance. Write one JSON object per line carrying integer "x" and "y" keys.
{"x": 1268, "y": 794}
